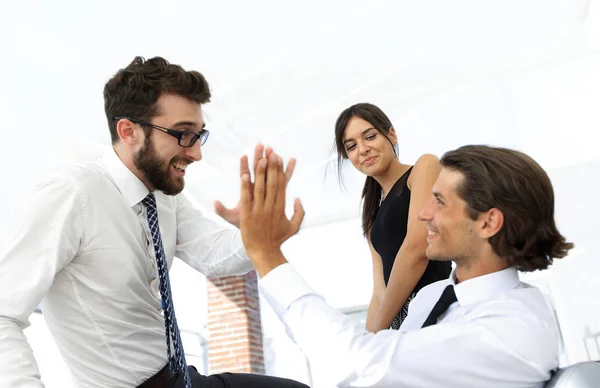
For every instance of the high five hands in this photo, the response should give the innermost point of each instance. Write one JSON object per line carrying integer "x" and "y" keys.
{"x": 263, "y": 223}
{"x": 233, "y": 215}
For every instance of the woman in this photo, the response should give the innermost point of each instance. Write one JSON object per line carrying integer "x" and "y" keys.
{"x": 393, "y": 195}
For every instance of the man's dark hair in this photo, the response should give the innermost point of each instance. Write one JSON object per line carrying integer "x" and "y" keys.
{"x": 135, "y": 90}
{"x": 518, "y": 186}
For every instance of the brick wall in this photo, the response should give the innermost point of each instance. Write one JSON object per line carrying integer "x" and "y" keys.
{"x": 234, "y": 328}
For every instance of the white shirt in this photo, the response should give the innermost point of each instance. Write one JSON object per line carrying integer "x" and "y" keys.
{"x": 83, "y": 245}
{"x": 500, "y": 333}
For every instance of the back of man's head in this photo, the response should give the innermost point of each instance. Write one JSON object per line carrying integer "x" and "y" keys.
{"x": 134, "y": 90}
{"x": 519, "y": 187}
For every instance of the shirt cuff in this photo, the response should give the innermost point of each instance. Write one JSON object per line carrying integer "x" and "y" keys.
{"x": 282, "y": 286}
{"x": 239, "y": 245}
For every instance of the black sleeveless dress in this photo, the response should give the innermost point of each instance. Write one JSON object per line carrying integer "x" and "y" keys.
{"x": 387, "y": 235}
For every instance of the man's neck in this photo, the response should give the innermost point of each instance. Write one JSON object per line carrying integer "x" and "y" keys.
{"x": 475, "y": 267}
{"x": 128, "y": 162}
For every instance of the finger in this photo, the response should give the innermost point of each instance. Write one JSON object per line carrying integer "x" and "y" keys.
{"x": 251, "y": 190}
{"x": 268, "y": 151}
{"x": 258, "y": 155}
{"x": 289, "y": 171}
{"x": 220, "y": 209}
{"x": 244, "y": 169}
{"x": 297, "y": 217}
{"x": 272, "y": 180}
{"x": 259, "y": 184}
{"x": 280, "y": 198}
{"x": 245, "y": 200}
{"x": 281, "y": 194}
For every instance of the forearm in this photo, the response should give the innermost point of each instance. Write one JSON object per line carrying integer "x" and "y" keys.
{"x": 228, "y": 255}
{"x": 18, "y": 368}
{"x": 212, "y": 248}
{"x": 406, "y": 273}
{"x": 220, "y": 254}
{"x": 334, "y": 343}
{"x": 372, "y": 310}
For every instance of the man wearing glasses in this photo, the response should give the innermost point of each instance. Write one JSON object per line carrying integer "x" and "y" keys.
{"x": 94, "y": 243}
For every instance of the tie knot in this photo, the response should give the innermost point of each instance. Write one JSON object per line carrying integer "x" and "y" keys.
{"x": 446, "y": 299}
{"x": 150, "y": 201}
{"x": 448, "y": 296}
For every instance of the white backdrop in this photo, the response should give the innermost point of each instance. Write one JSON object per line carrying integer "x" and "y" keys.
{"x": 518, "y": 73}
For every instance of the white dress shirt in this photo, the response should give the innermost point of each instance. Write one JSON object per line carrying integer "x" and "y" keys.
{"x": 82, "y": 247}
{"x": 500, "y": 333}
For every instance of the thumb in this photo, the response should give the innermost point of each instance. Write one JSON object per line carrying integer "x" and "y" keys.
{"x": 298, "y": 216}
{"x": 220, "y": 209}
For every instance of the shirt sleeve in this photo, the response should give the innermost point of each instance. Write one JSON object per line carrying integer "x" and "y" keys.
{"x": 470, "y": 353}
{"x": 212, "y": 248}
{"x": 45, "y": 237}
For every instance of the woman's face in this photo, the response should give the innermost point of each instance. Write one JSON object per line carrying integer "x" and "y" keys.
{"x": 368, "y": 149}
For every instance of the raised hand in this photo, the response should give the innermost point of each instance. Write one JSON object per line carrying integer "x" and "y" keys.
{"x": 233, "y": 215}
{"x": 263, "y": 223}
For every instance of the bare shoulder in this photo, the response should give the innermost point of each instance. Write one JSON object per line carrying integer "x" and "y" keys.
{"x": 427, "y": 167}
{"x": 427, "y": 161}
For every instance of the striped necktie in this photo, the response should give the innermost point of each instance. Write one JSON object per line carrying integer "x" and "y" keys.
{"x": 177, "y": 361}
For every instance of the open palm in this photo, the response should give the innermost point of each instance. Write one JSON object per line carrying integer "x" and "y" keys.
{"x": 232, "y": 215}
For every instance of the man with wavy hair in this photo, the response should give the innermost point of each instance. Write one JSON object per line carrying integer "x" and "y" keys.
{"x": 94, "y": 244}
{"x": 492, "y": 214}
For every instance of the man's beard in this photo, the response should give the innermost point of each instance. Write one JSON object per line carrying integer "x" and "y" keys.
{"x": 461, "y": 252}
{"x": 156, "y": 171}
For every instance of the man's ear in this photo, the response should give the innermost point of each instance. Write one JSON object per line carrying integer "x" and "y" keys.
{"x": 491, "y": 222}
{"x": 126, "y": 129}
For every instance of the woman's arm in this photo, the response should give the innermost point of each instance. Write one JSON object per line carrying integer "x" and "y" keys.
{"x": 378, "y": 284}
{"x": 410, "y": 262}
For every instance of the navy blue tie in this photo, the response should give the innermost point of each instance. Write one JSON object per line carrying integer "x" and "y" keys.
{"x": 177, "y": 361}
{"x": 446, "y": 299}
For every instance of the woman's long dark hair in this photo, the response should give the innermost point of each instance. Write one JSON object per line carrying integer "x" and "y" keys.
{"x": 371, "y": 193}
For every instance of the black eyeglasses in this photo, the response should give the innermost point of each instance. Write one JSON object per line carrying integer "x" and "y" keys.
{"x": 184, "y": 138}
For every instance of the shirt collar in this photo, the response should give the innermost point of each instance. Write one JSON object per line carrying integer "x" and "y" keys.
{"x": 132, "y": 189}
{"x": 486, "y": 286}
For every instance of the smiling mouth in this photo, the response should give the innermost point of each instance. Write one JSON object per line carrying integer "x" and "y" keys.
{"x": 432, "y": 234}
{"x": 369, "y": 160}
{"x": 179, "y": 168}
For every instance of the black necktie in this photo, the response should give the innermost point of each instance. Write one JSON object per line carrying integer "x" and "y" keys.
{"x": 448, "y": 297}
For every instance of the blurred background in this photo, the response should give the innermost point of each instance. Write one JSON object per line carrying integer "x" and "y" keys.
{"x": 518, "y": 73}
